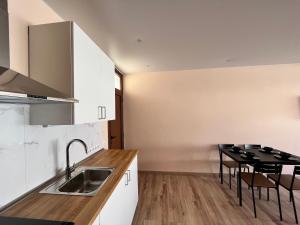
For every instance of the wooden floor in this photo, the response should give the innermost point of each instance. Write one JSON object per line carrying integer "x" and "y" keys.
{"x": 171, "y": 199}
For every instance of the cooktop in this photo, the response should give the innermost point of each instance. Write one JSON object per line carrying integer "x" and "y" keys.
{"x": 23, "y": 221}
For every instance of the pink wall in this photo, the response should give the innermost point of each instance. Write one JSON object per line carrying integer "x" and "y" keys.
{"x": 177, "y": 118}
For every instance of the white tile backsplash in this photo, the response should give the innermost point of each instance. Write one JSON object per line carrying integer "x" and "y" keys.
{"x": 44, "y": 149}
{"x": 12, "y": 122}
{"x": 12, "y": 175}
{"x": 30, "y": 155}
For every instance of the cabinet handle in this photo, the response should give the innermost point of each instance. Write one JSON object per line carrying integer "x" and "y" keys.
{"x": 99, "y": 111}
{"x": 126, "y": 181}
{"x": 104, "y": 110}
{"x": 129, "y": 179}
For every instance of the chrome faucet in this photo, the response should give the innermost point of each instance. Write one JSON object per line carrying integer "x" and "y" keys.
{"x": 69, "y": 169}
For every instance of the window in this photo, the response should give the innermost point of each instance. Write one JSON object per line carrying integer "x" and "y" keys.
{"x": 117, "y": 81}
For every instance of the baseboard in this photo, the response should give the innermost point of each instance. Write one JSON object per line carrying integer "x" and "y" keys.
{"x": 176, "y": 173}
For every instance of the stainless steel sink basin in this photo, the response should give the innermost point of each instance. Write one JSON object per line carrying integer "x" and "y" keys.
{"x": 84, "y": 181}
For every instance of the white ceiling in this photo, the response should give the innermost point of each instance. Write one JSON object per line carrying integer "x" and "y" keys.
{"x": 189, "y": 34}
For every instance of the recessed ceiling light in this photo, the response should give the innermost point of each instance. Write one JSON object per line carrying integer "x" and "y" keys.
{"x": 229, "y": 60}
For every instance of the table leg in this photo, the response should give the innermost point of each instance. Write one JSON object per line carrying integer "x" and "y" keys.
{"x": 221, "y": 166}
{"x": 240, "y": 184}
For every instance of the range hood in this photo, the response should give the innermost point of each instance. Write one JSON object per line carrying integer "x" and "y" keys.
{"x": 18, "y": 88}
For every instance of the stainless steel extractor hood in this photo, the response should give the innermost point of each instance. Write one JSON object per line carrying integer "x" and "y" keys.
{"x": 18, "y": 88}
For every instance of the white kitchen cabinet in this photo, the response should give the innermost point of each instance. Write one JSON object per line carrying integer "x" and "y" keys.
{"x": 120, "y": 207}
{"x": 65, "y": 58}
{"x": 108, "y": 98}
{"x": 113, "y": 212}
{"x": 132, "y": 191}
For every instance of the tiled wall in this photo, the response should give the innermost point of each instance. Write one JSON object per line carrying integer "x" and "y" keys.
{"x": 30, "y": 155}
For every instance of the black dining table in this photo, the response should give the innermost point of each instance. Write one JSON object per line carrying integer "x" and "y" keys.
{"x": 260, "y": 157}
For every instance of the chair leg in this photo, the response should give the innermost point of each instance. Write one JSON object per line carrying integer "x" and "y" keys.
{"x": 268, "y": 194}
{"x": 290, "y": 196}
{"x": 230, "y": 178}
{"x": 253, "y": 199}
{"x": 234, "y": 171}
{"x": 237, "y": 184}
{"x": 294, "y": 205}
{"x": 259, "y": 193}
{"x": 279, "y": 204}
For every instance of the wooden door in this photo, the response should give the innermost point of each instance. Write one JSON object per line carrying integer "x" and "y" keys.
{"x": 115, "y": 127}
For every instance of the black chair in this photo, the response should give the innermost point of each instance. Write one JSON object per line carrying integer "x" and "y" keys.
{"x": 229, "y": 163}
{"x": 290, "y": 182}
{"x": 257, "y": 179}
{"x": 249, "y": 147}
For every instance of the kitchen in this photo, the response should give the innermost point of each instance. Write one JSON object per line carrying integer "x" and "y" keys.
{"x": 113, "y": 112}
{"x": 47, "y": 130}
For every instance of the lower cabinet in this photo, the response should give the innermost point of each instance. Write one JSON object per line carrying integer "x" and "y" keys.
{"x": 120, "y": 207}
{"x": 131, "y": 191}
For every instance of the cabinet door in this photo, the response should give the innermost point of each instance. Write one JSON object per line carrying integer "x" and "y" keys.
{"x": 120, "y": 207}
{"x": 93, "y": 80}
{"x": 106, "y": 91}
{"x": 87, "y": 72}
{"x": 50, "y": 62}
{"x": 132, "y": 191}
{"x": 113, "y": 212}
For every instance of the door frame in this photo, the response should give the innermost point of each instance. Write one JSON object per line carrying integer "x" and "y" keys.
{"x": 120, "y": 94}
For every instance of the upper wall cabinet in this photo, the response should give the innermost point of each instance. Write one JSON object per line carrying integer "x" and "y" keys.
{"x": 65, "y": 58}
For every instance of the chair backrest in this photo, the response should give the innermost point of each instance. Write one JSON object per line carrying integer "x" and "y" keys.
{"x": 268, "y": 169}
{"x": 252, "y": 146}
{"x": 296, "y": 172}
{"x": 224, "y": 146}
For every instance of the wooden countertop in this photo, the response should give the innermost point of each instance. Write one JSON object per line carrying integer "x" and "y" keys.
{"x": 82, "y": 210}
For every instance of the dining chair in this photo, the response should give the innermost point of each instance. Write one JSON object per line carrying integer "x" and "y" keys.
{"x": 253, "y": 146}
{"x": 290, "y": 182}
{"x": 258, "y": 179}
{"x": 230, "y": 164}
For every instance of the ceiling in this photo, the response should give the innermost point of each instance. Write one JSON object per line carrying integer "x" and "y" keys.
{"x": 159, "y": 35}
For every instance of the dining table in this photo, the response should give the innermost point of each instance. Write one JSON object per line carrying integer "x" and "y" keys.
{"x": 261, "y": 156}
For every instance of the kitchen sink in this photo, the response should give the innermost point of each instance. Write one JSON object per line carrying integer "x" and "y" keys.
{"x": 84, "y": 181}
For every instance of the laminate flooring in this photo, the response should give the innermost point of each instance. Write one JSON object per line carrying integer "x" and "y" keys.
{"x": 200, "y": 199}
